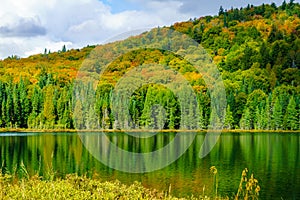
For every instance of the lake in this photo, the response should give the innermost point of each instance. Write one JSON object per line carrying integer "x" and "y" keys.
{"x": 274, "y": 158}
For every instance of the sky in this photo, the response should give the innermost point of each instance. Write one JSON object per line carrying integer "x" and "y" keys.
{"x": 27, "y": 27}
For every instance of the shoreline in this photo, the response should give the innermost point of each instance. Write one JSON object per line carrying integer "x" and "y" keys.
{"x": 25, "y": 130}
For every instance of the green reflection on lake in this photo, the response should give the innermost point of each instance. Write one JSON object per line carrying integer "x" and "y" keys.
{"x": 272, "y": 157}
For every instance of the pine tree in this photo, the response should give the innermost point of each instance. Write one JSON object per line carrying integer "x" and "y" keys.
{"x": 221, "y": 11}
{"x": 66, "y": 120}
{"x": 193, "y": 115}
{"x": 228, "y": 118}
{"x": 16, "y": 116}
{"x": 78, "y": 115}
{"x": 225, "y": 20}
{"x": 64, "y": 49}
{"x": 214, "y": 122}
{"x": 9, "y": 108}
{"x": 245, "y": 122}
{"x": 36, "y": 107}
{"x": 91, "y": 119}
{"x": 268, "y": 119}
{"x": 24, "y": 103}
{"x": 134, "y": 113}
{"x": 49, "y": 109}
{"x": 264, "y": 52}
{"x": 258, "y": 120}
{"x": 171, "y": 119}
{"x": 264, "y": 118}
{"x": 201, "y": 118}
{"x": 283, "y": 6}
{"x": 277, "y": 116}
{"x": 291, "y": 115}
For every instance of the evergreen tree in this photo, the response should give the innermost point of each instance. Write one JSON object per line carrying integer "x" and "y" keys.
{"x": 201, "y": 118}
{"x": 268, "y": 115}
{"x": 24, "y": 104}
{"x": 221, "y": 11}
{"x": 228, "y": 122}
{"x": 67, "y": 120}
{"x": 9, "y": 108}
{"x": 291, "y": 115}
{"x": 283, "y": 5}
{"x": 36, "y": 107}
{"x": 91, "y": 119}
{"x": 78, "y": 115}
{"x": 258, "y": 120}
{"x": 265, "y": 55}
{"x": 264, "y": 118}
{"x": 277, "y": 116}
{"x": 225, "y": 20}
{"x": 245, "y": 122}
{"x": 64, "y": 49}
{"x": 3, "y": 114}
{"x": 49, "y": 109}
{"x": 16, "y": 116}
{"x": 214, "y": 121}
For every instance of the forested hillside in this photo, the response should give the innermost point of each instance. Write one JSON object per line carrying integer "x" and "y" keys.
{"x": 256, "y": 49}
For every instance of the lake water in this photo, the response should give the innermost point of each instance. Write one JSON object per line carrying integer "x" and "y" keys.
{"x": 274, "y": 158}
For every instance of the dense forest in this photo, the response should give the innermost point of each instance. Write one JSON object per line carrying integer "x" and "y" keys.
{"x": 256, "y": 49}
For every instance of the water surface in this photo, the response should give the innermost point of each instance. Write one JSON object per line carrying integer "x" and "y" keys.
{"x": 274, "y": 158}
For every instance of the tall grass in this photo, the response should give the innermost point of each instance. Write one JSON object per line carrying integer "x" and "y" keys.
{"x": 81, "y": 187}
{"x": 248, "y": 187}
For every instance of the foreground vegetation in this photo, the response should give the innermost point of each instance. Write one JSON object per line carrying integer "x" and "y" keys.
{"x": 256, "y": 49}
{"x": 74, "y": 187}
{"x": 81, "y": 187}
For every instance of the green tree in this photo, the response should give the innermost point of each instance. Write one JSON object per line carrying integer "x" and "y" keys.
{"x": 78, "y": 115}
{"x": 291, "y": 115}
{"x": 64, "y": 49}
{"x": 91, "y": 119}
{"x": 36, "y": 107}
{"x": 283, "y": 5}
{"x": 49, "y": 109}
{"x": 221, "y": 11}
{"x": 24, "y": 103}
{"x": 277, "y": 116}
{"x": 16, "y": 116}
{"x": 245, "y": 122}
{"x": 258, "y": 120}
{"x": 201, "y": 118}
{"x": 228, "y": 122}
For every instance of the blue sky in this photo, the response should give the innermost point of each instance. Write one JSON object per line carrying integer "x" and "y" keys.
{"x": 118, "y": 6}
{"x": 29, "y": 26}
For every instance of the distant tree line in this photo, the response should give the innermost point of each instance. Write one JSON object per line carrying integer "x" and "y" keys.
{"x": 47, "y": 106}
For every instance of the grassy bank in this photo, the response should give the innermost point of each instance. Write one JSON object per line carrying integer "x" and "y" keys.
{"x": 78, "y": 187}
{"x": 73, "y": 186}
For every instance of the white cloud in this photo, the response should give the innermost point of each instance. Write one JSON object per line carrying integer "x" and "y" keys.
{"x": 29, "y": 26}
{"x": 29, "y": 46}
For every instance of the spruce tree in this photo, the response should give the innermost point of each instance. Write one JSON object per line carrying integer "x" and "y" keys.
{"x": 291, "y": 115}
{"x": 228, "y": 118}
{"x": 268, "y": 116}
{"x": 16, "y": 116}
{"x": 277, "y": 116}
{"x": 245, "y": 122}
{"x": 24, "y": 103}
{"x": 201, "y": 118}
{"x": 78, "y": 115}
{"x": 49, "y": 109}
{"x": 258, "y": 119}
